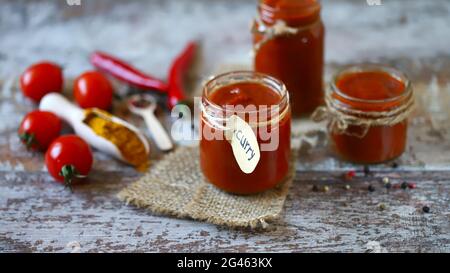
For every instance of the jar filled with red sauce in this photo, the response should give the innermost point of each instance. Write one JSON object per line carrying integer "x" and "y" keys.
{"x": 376, "y": 102}
{"x": 261, "y": 101}
{"x": 296, "y": 58}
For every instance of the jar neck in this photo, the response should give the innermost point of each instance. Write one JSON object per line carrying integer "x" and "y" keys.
{"x": 264, "y": 113}
{"x": 296, "y": 13}
{"x": 370, "y": 105}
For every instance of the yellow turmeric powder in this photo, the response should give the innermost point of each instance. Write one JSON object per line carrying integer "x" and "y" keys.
{"x": 126, "y": 140}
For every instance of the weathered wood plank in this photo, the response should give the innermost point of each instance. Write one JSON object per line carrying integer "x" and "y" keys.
{"x": 38, "y": 215}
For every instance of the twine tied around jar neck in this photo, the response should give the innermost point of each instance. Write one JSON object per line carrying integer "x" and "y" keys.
{"x": 341, "y": 118}
{"x": 217, "y": 116}
{"x": 280, "y": 28}
{"x": 221, "y": 122}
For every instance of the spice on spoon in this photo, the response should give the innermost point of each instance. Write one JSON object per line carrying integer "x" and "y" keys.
{"x": 128, "y": 142}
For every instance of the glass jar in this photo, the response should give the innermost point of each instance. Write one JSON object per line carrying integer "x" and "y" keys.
{"x": 288, "y": 38}
{"x": 263, "y": 102}
{"x": 367, "y": 108}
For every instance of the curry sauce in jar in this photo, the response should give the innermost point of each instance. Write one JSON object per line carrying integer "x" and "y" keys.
{"x": 288, "y": 38}
{"x": 263, "y": 104}
{"x": 368, "y": 108}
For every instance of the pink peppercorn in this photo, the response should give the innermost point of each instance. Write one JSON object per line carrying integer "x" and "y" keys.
{"x": 349, "y": 175}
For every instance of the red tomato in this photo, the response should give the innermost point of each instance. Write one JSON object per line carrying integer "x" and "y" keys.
{"x": 41, "y": 79}
{"x": 38, "y": 129}
{"x": 68, "y": 159}
{"x": 93, "y": 89}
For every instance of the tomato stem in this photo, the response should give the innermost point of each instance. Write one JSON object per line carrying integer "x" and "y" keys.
{"x": 69, "y": 172}
{"x": 29, "y": 140}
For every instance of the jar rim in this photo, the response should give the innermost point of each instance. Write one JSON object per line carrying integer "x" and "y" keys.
{"x": 371, "y": 67}
{"x": 309, "y": 11}
{"x": 264, "y": 6}
{"x": 241, "y": 76}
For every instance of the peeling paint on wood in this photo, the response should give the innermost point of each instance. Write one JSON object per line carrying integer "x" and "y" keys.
{"x": 38, "y": 215}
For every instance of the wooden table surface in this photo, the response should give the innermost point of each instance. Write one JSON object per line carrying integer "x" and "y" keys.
{"x": 38, "y": 215}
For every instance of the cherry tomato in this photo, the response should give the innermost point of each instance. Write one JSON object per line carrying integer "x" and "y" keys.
{"x": 68, "y": 159}
{"x": 38, "y": 129}
{"x": 93, "y": 89}
{"x": 41, "y": 79}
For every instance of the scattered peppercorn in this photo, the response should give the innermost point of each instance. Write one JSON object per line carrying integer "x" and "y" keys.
{"x": 394, "y": 165}
{"x": 404, "y": 185}
{"x": 386, "y": 182}
{"x": 366, "y": 170}
{"x": 315, "y": 188}
{"x": 326, "y": 188}
{"x": 349, "y": 175}
{"x": 347, "y": 187}
{"x": 426, "y": 209}
{"x": 412, "y": 185}
{"x": 371, "y": 188}
{"x": 381, "y": 206}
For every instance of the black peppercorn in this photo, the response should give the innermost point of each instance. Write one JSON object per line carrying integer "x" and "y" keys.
{"x": 404, "y": 185}
{"x": 426, "y": 209}
{"x": 394, "y": 165}
{"x": 366, "y": 170}
{"x": 315, "y": 188}
{"x": 371, "y": 188}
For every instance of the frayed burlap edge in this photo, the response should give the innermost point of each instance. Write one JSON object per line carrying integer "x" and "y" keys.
{"x": 175, "y": 186}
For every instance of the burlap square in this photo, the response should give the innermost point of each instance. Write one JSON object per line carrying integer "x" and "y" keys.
{"x": 176, "y": 186}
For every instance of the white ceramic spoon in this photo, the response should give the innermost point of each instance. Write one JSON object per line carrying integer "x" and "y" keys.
{"x": 72, "y": 114}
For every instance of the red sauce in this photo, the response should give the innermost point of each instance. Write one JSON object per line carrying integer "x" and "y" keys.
{"x": 371, "y": 91}
{"x": 245, "y": 93}
{"x": 216, "y": 156}
{"x": 371, "y": 85}
{"x": 297, "y": 60}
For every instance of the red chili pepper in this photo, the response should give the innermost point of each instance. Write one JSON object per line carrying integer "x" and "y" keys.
{"x": 176, "y": 93}
{"x": 125, "y": 72}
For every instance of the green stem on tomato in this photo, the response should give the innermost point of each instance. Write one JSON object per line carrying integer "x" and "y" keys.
{"x": 29, "y": 140}
{"x": 69, "y": 173}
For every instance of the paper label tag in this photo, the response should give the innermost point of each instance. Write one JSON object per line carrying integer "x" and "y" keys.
{"x": 244, "y": 144}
